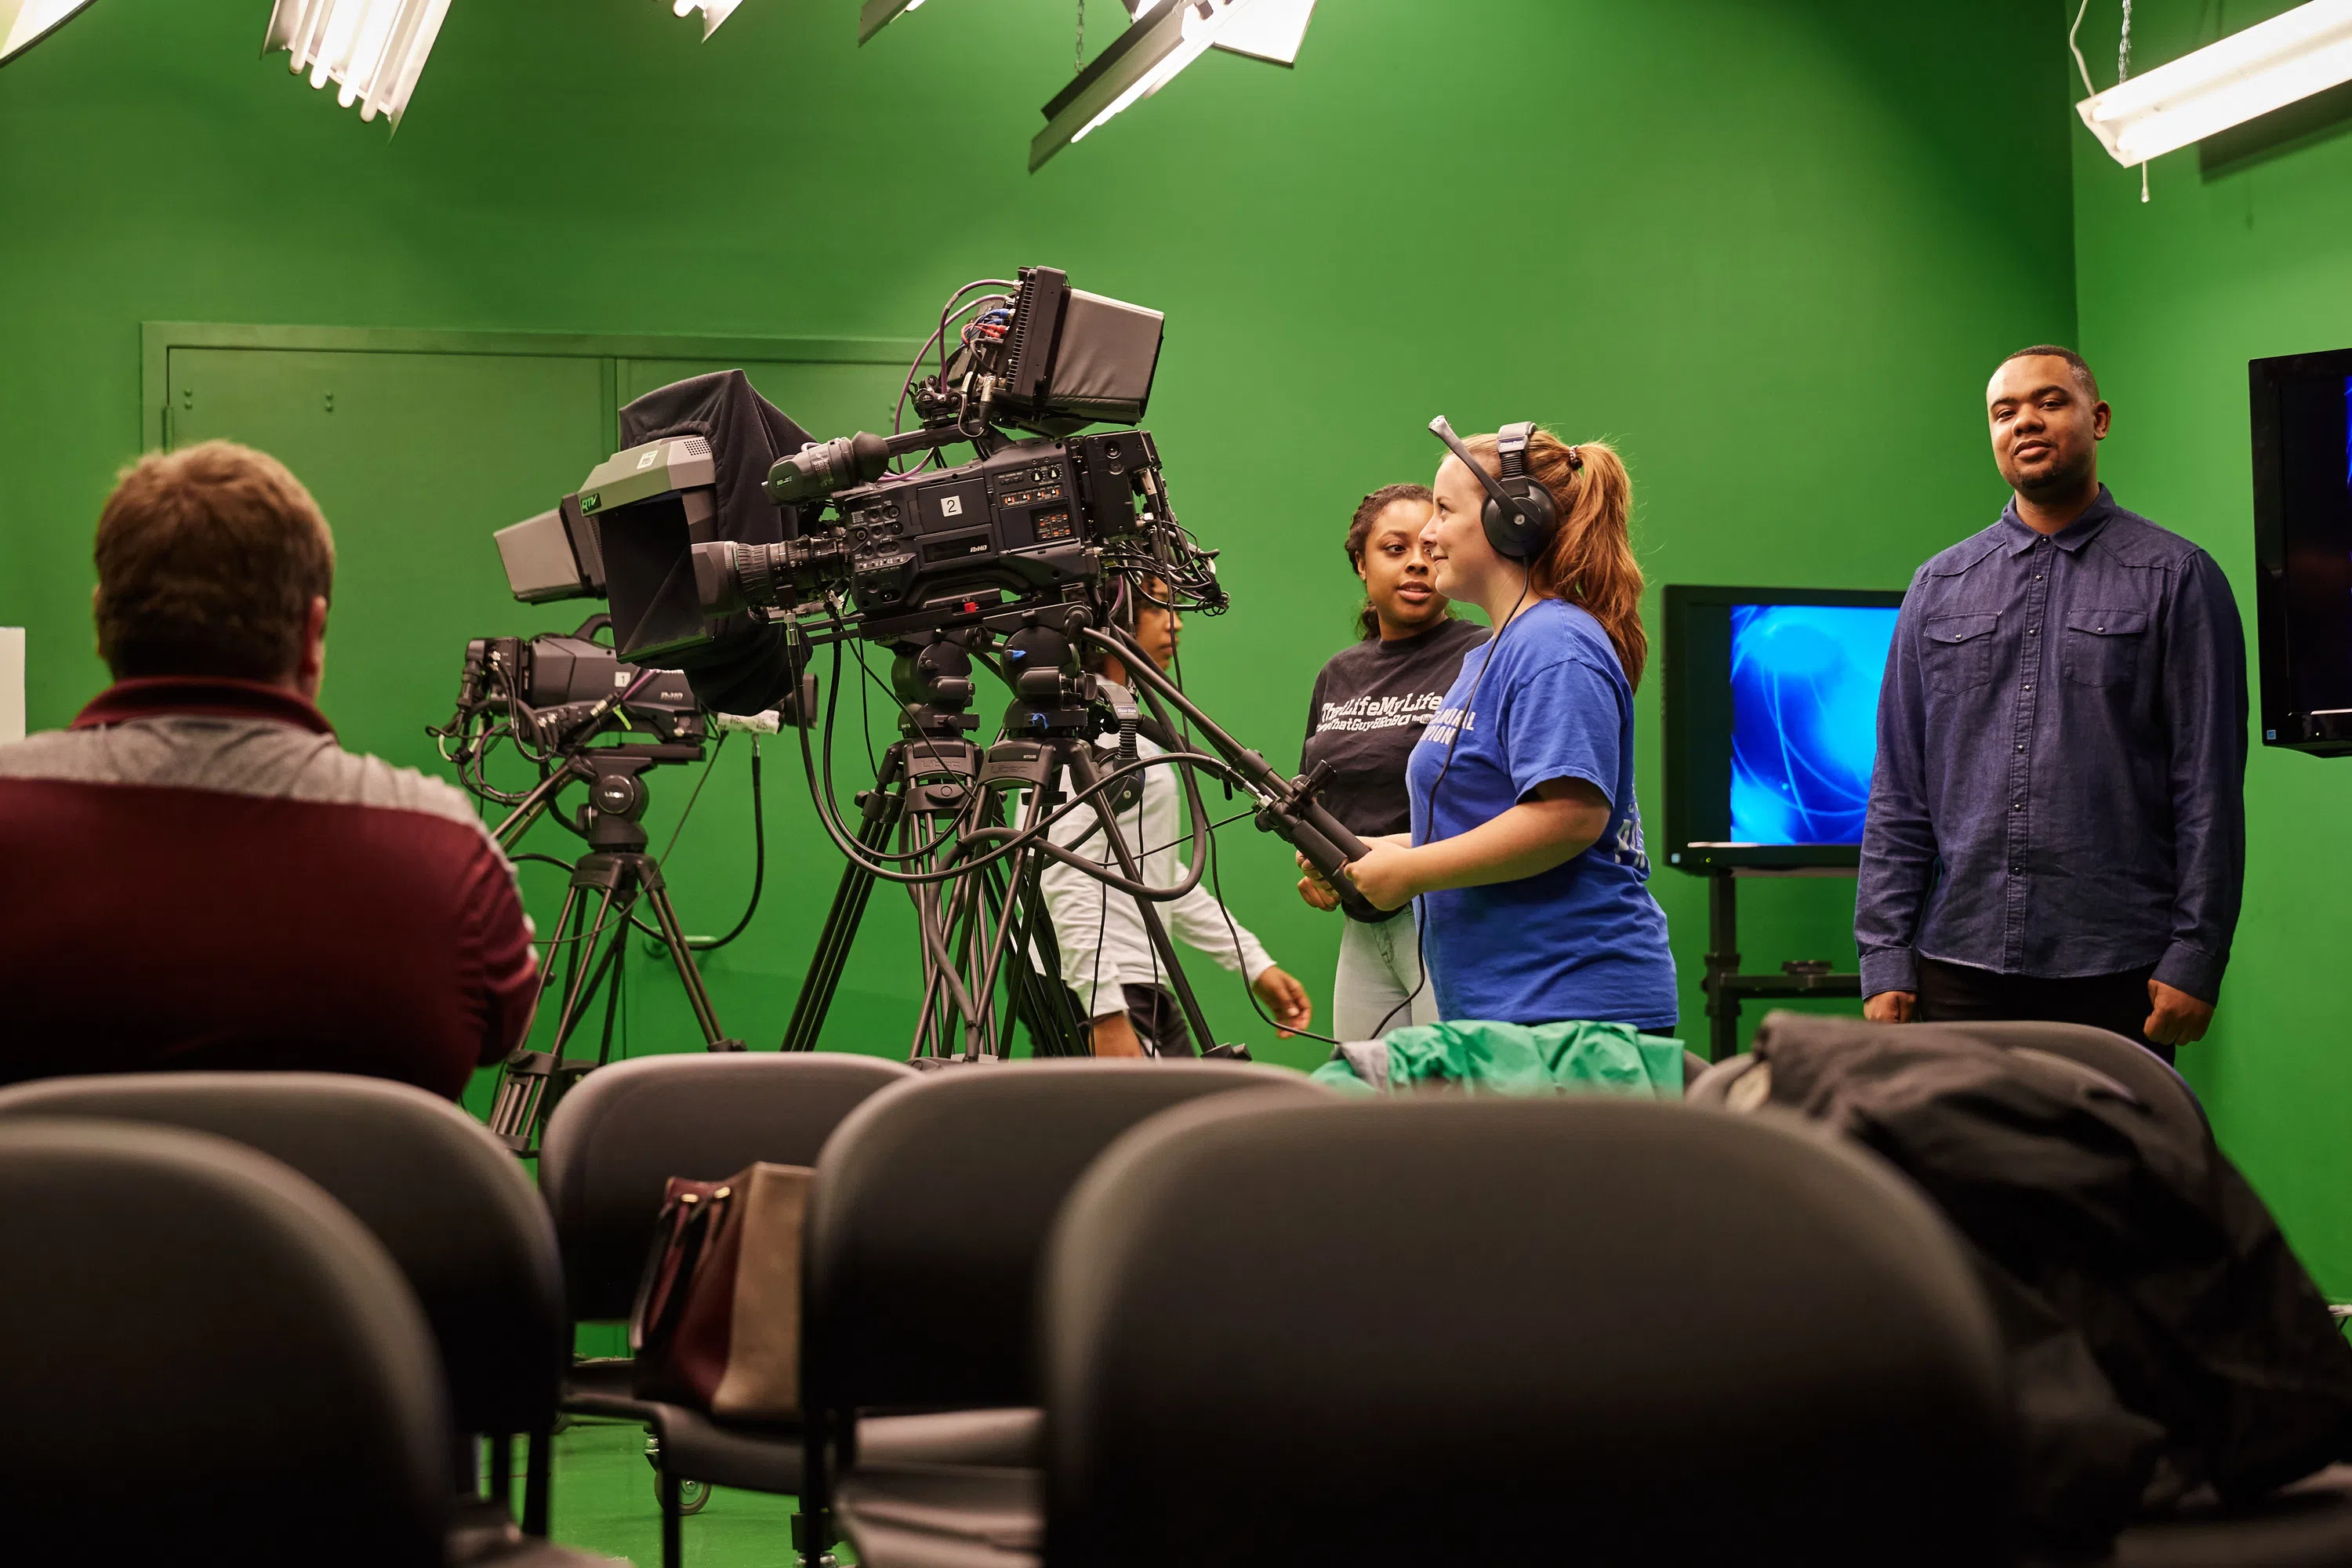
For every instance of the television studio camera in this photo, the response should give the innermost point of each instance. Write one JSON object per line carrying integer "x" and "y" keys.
{"x": 731, "y": 546}
{"x": 549, "y": 697}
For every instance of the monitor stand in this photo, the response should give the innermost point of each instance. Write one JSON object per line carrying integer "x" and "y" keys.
{"x": 1727, "y": 987}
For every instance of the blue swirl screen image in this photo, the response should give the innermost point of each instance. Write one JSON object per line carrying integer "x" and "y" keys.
{"x": 1804, "y": 719}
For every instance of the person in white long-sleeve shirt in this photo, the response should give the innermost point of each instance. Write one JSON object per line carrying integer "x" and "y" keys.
{"x": 1107, "y": 958}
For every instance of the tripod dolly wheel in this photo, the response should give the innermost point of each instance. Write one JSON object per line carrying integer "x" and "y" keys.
{"x": 692, "y": 1496}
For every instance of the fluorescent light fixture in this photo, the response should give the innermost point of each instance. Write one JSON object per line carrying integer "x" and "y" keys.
{"x": 876, "y": 14}
{"x": 713, "y": 11}
{"x": 24, "y": 23}
{"x": 1270, "y": 30}
{"x": 2267, "y": 66}
{"x": 372, "y": 49}
{"x": 1166, "y": 36}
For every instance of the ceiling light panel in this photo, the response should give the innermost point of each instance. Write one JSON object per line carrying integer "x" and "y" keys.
{"x": 373, "y": 50}
{"x": 2248, "y": 74}
{"x": 1269, "y": 30}
{"x": 713, "y": 13}
{"x": 24, "y": 23}
{"x": 1166, "y": 36}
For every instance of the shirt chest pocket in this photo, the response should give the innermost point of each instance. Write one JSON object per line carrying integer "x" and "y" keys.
{"x": 1956, "y": 652}
{"x": 2103, "y": 647}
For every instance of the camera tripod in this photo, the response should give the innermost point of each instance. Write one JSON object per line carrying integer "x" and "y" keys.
{"x": 936, "y": 786}
{"x": 615, "y": 875}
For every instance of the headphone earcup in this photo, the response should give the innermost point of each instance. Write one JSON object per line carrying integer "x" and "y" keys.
{"x": 1502, "y": 528}
{"x": 1542, "y": 515}
{"x": 1523, "y": 532}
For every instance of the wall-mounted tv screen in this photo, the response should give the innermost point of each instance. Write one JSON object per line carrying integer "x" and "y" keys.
{"x": 2302, "y": 408}
{"x": 1772, "y": 713}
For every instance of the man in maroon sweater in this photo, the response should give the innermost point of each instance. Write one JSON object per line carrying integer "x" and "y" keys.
{"x": 194, "y": 874}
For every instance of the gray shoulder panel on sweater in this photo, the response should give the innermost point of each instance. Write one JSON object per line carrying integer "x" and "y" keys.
{"x": 255, "y": 757}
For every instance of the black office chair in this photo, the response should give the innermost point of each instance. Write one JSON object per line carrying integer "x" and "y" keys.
{"x": 610, "y": 1149}
{"x": 1438, "y": 1332}
{"x": 209, "y": 1361}
{"x": 932, "y": 1206}
{"x": 454, "y": 1209}
{"x": 2306, "y": 1525}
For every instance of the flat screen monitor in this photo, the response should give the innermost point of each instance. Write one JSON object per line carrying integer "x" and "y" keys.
{"x": 2302, "y": 408}
{"x": 1771, "y": 710}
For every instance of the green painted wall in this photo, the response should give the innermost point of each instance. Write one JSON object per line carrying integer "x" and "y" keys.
{"x": 2244, "y": 250}
{"x": 1772, "y": 250}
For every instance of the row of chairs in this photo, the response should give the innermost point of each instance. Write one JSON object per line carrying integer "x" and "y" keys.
{"x": 1145, "y": 1312}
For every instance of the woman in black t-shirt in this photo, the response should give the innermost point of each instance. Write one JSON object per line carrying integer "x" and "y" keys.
{"x": 1369, "y": 705}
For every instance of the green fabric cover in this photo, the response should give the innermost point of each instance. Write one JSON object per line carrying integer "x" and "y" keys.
{"x": 1513, "y": 1058}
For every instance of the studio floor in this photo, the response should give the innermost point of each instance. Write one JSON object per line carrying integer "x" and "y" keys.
{"x": 604, "y": 1501}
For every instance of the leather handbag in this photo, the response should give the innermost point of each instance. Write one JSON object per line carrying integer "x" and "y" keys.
{"x": 717, "y": 1324}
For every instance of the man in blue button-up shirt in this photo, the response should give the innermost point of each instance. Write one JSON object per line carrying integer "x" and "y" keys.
{"x": 2057, "y": 819}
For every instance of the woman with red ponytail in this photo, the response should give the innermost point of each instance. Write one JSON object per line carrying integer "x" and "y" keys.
{"x": 1526, "y": 850}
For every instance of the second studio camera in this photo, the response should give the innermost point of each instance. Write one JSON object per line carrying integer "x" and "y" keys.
{"x": 558, "y": 692}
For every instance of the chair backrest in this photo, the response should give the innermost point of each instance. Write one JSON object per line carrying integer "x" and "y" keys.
{"x": 453, "y": 1207}
{"x": 933, "y": 1202}
{"x": 617, "y": 1139}
{"x": 2149, "y": 1077}
{"x": 208, "y": 1360}
{"x": 1450, "y": 1330}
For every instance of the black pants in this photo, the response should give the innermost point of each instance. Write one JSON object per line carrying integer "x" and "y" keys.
{"x": 1158, "y": 1020}
{"x": 1958, "y": 993}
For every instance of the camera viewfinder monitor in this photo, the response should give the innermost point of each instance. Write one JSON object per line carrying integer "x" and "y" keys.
{"x": 1771, "y": 711}
{"x": 2302, "y": 408}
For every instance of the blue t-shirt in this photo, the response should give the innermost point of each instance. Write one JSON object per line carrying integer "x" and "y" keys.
{"x": 1584, "y": 939}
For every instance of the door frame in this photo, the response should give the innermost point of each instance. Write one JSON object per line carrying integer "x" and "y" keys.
{"x": 158, "y": 338}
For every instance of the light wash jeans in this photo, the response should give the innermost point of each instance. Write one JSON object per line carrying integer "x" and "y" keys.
{"x": 1379, "y": 966}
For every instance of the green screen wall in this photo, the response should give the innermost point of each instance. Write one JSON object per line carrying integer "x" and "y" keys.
{"x": 1771, "y": 251}
{"x": 2244, "y": 251}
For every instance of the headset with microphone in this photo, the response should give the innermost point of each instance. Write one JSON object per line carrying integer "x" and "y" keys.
{"x": 1520, "y": 517}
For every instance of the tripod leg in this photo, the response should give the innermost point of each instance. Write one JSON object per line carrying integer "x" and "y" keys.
{"x": 946, "y": 999}
{"x": 840, "y": 921}
{"x": 583, "y": 983}
{"x": 619, "y": 983}
{"x": 963, "y": 927}
{"x": 558, "y": 943}
{"x": 697, "y": 995}
{"x": 1034, "y": 995}
{"x": 521, "y": 1099}
{"x": 833, "y": 944}
{"x": 1038, "y": 999}
{"x": 1048, "y": 1006}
